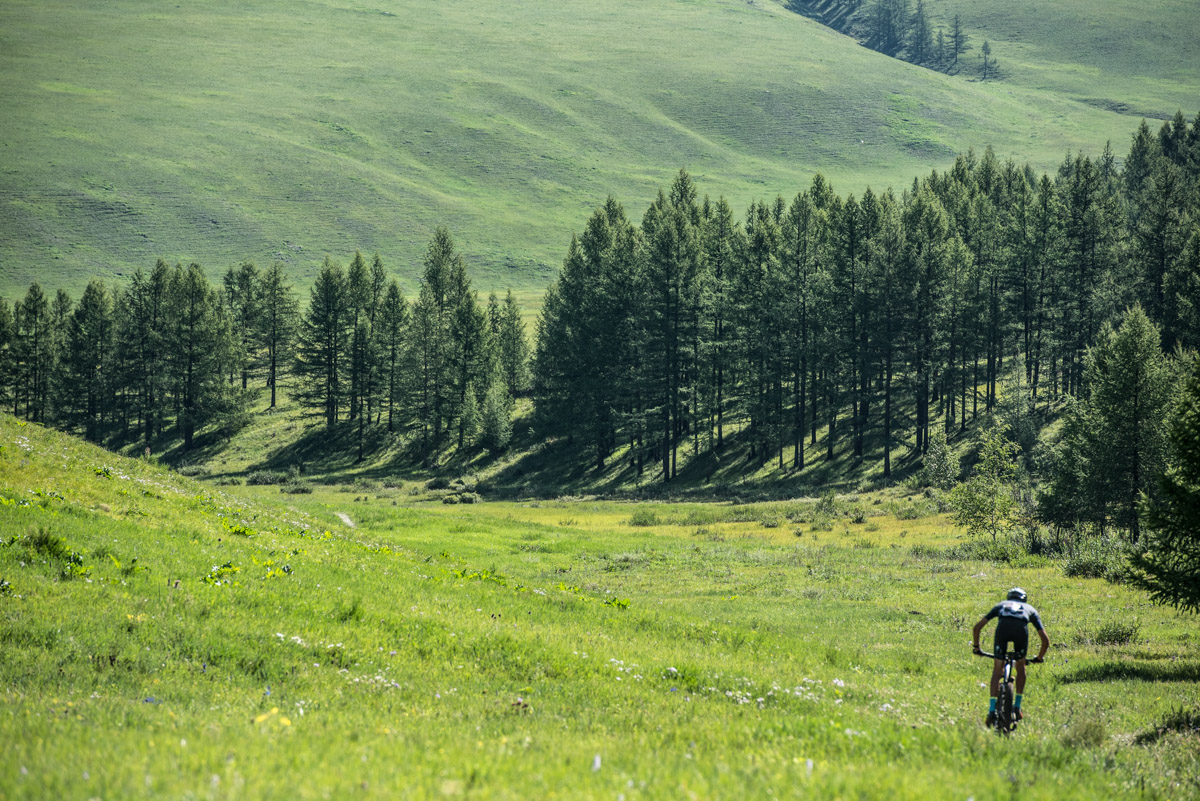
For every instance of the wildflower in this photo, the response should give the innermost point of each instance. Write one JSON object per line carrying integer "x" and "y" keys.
{"x": 596, "y": 763}
{"x": 839, "y": 683}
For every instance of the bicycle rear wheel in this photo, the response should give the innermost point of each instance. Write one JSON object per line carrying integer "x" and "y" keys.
{"x": 1004, "y": 709}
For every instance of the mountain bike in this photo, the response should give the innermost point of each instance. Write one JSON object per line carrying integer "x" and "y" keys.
{"x": 1006, "y": 717}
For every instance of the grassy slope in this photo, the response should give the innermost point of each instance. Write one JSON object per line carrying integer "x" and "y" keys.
{"x": 1136, "y": 58}
{"x": 224, "y": 131}
{"x": 387, "y": 664}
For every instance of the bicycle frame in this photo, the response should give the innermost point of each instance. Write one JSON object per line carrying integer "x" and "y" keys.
{"x": 1006, "y": 721}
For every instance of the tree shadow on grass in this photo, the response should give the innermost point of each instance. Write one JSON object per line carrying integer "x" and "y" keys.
{"x": 1134, "y": 671}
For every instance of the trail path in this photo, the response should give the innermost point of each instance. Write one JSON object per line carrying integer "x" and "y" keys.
{"x": 345, "y": 518}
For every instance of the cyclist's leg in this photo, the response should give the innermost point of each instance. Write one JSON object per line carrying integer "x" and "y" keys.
{"x": 1020, "y": 646}
{"x": 999, "y": 647}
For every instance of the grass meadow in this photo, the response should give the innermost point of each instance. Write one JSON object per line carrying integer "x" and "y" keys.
{"x": 164, "y": 637}
{"x": 226, "y": 131}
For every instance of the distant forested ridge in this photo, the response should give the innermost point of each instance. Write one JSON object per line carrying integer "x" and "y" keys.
{"x": 875, "y": 321}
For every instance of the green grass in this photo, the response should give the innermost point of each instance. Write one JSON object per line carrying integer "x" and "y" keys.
{"x": 548, "y": 649}
{"x": 1133, "y": 58}
{"x": 225, "y": 131}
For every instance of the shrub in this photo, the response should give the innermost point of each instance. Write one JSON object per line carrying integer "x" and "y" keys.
{"x": 437, "y": 483}
{"x": 296, "y": 488}
{"x": 469, "y": 497}
{"x": 1116, "y": 633}
{"x": 264, "y": 477}
{"x": 827, "y": 505}
{"x": 193, "y": 470}
{"x": 643, "y": 516}
{"x": 450, "y": 499}
{"x": 1097, "y": 558}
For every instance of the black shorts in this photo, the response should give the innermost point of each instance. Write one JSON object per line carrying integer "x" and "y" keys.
{"x": 1011, "y": 631}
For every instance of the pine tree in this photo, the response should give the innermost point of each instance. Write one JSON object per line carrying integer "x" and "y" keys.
{"x": 277, "y": 322}
{"x": 244, "y": 308}
{"x": 988, "y": 68}
{"x": 1129, "y": 382}
{"x": 1181, "y": 317}
{"x": 496, "y": 418}
{"x": 321, "y": 345}
{"x": 199, "y": 346}
{"x": 920, "y": 45}
{"x": 7, "y": 357}
{"x": 1160, "y": 232}
{"x": 444, "y": 338}
{"x": 89, "y": 362}
{"x": 141, "y": 346}
{"x": 392, "y": 330}
{"x": 34, "y": 354}
{"x": 958, "y": 39}
{"x": 514, "y": 347}
{"x": 588, "y": 359}
{"x": 673, "y": 274}
{"x": 1168, "y": 565}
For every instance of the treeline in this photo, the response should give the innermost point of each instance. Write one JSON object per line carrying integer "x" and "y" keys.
{"x": 171, "y": 352}
{"x": 874, "y": 320}
{"x": 903, "y": 30}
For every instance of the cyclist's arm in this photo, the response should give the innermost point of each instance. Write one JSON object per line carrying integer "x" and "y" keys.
{"x": 1045, "y": 644}
{"x": 978, "y": 628}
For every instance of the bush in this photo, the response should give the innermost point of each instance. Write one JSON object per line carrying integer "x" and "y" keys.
{"x": 1116, "y": 633}
{"x": 264, "y": 477}
{"x": 827, "y": 505}
{"x": 469, "y": 497}
{"x": 437, "y": 483}
{"x": 643, "y": 516}
{"x": 1098, "y": 558}
{"x": 193, "y": 470}
{"x": 450, "y": 499}
{"x": 296, "y": 488}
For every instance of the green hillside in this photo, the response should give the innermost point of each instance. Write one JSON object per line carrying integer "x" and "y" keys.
{"x": 219, "y": 132}
{"x": 166, "y": 638}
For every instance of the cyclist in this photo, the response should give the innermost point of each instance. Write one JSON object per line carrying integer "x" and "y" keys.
{"x": 1013, "y": 627}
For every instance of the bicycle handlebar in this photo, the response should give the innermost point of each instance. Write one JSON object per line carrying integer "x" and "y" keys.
{"x": 1029, "y": 660}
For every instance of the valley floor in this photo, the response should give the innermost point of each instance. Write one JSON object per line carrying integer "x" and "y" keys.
{"x": 162, "y": 637}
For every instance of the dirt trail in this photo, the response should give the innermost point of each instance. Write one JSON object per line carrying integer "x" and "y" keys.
{"x": 345, "y": 518}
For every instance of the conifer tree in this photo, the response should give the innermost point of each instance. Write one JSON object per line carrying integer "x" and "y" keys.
{"x": 7, "y": 357}
{"x": 199, "y": 347}
{"x": 277, "y": 322}
{"x": 1168, "y": 565}
{"x": 513, "y": 347}
{"x": 393, "y": 329}
{"x": 34, "y": 354}
{"x": 141, "y": 346}
{"x": 496, "y": 418}
{"x": 89, "y": 362}
{"x": 958, "y": 39}
{"x": 244, "y": 309}
{"x": 321, "y": 345}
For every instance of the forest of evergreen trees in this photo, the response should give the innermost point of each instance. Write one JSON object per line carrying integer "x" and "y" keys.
{"x": 170, "y": 351}
{"x": 875, "y": 320}
{"x": 862, "y": 324}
